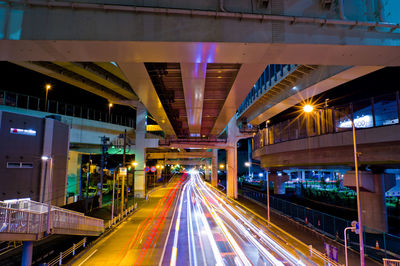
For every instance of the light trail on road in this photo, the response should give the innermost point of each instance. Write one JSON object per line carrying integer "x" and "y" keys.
{"x": 211, "y": 230}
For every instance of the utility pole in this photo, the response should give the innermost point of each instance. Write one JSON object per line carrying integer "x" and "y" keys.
{"x": 123, "y": 176}
{"x": 104, "y": 149}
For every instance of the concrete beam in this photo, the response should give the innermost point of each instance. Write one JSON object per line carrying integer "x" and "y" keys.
{"x": 92, "y": 74}
{"x": 194, "y": 79}
{"x": 178, "y": 155}
{"x": 320, "y": 80}
{"x": 141, "y": 83}
{"x": 110, "y": 95}
{"x": 248, "y": 75}
{"x": 186, "y": 162}
{"x": 379, "y": 146}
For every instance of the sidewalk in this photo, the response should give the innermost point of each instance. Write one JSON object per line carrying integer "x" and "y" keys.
{"x": 305, "y": 234}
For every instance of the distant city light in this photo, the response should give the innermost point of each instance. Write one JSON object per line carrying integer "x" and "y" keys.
{"x": 247, "y": 164}
{"x": 294, "y": 88}
{"x": 360, "y": 122}
{"x": 260, "y": 175}
{"x": 45, "y": 158}
{"x": 221, "y": 166}
{"x": 19, "y": 131}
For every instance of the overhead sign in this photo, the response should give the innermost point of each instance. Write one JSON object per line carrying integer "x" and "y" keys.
{"x": 153, "y": 169}
{"x": 123, "y": 171}
{"x": 146, "y": 169}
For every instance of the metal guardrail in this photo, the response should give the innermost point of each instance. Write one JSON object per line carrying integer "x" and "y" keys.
{"x": 272, "y": 75}
{"x": 167, "y": 142}
{"x": 71, "y": 251}
{"x": 120, "y": 216}
{"x": 378, "y": 245}
{"x": 30, "y": 217}
{"x": 382, "y": 110}
{"x": 387, "y": 262}
{"x": 38, "y": 104}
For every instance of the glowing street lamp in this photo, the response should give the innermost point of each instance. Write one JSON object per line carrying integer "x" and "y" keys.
{"x": 158, "y": 166}
{"x": 134, "y": 164}
{"x": 48, "y": 87}
{"x": 109, "y": 112}
{"x": 221, "y": 166}
{"x": 309, "y": 108}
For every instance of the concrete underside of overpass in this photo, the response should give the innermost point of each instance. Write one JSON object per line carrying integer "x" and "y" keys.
{"x": 206, "y": 55}
{"x": 377, "y": 146}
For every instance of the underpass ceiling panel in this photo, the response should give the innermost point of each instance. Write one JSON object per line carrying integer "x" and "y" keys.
{"x": 193, "y": 77}
{"x": 141, "y": 83}
{"x": 167, "y": 81}
{"x": 245, "y": 79}
{"x": 219, "y": 80}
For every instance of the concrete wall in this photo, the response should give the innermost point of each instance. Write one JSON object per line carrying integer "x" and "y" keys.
{"x": 103, "y": 35}
{"x": 380, "y": 145}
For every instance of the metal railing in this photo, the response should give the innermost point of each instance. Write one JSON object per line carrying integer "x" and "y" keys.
{"x": 120, "y": 216}
{"x": 38, "y": 104}
{"x": 30, "y": 217}
{"x": 71, "y": 251}
{"x": 387, "y": 262}
{"x": 271, "y": 76}
{"x": 167, "y": 142}
{"x": 377, "y": 111}
{"x": 378, "y": 245}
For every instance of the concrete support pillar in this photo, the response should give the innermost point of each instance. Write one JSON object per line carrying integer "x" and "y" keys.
{"x": 207, "y": 171}
{"x": 214, "y": 167}
{"x": 231, "y": 166}
{"x": 73, "y": 173}
{"x": 372, "y": 197}
{"x": 279, "y": 182}
{"x": 140, "y": 151}
{"x": 279, "y": 187}
{"x": 249, "y": 155}
{"x": 27, "y": 249}
{"x": 159, "y": 170}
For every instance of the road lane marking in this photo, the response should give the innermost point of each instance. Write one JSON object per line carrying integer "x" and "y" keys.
{"x": 169, "y": 230}
{"x": 88, "y": 257}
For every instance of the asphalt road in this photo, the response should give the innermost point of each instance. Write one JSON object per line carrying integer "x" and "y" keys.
{"x": 190, "y": 223}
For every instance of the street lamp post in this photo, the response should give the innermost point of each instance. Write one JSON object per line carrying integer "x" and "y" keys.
{"x": 308, "y": 109}
{"x": 109, "y": 112}
{"x": 248, "y": 164}
{"x": 48, "y": 87}
{"x": 45, "y": 159}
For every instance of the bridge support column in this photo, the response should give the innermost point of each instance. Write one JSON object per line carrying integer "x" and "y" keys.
{"x": 27, "y": 249}
{"x": 73, "y": 175}
{"x": 207, "y": 171}
{"x": 214, "y": 166}
{"x": 372, "y": 197}
{"x": 231, "y": 166}
{"x": 140, "y": 151}
{"x": 279, "y": 182}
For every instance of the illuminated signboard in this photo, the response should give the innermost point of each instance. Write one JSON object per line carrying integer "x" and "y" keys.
{"x": 19, "y": 131}
{"x": 359, "y": 122}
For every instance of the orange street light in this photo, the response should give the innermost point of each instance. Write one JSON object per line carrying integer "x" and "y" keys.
{"x": 308, "y": 108}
